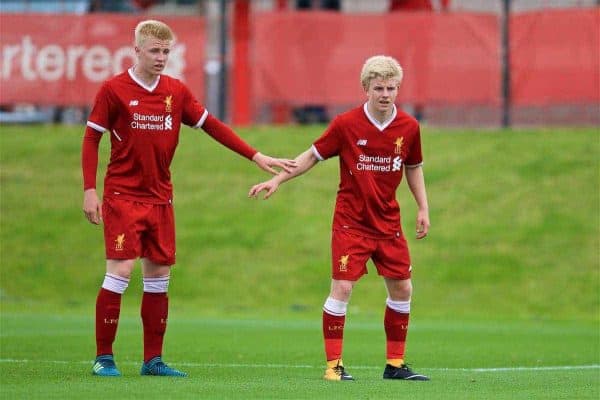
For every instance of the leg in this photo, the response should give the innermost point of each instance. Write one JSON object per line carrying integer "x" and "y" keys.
{"x": 154, "y": 313}
{"x": 155, "y": 307}
{"x": 334, "y": 318}
{"x": 108, "y": 309}
{"x": 397, "y": 312}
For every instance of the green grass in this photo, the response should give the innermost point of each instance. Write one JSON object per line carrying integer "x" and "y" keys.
{"x": 508, "y": 277}
{"x": 48, "y": 356}
{"x": 515, "y": 225}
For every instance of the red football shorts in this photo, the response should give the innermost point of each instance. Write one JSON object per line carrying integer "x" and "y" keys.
{"x": 351, "y": 252}
{"x": 133, "y": 230}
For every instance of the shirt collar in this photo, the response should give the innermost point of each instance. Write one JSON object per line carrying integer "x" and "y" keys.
{"x": 378, "y": 125}
{"x": 142, "y": 84}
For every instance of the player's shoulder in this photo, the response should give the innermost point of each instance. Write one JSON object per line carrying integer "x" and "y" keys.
{"x": 173, "y": 85}
{"x": 116, "y": 83}
{"x": 404, "y": 119}
{"x": 351, "y": 116}
{"x": 119, "y": 78}
{"x": 403, "y": 116}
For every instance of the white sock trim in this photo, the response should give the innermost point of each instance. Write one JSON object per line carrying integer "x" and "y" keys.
{"x": 157, "y": 285}
{"x": 335, "y": 307}
{"x": 115, "y": 283}
{"x": 399, "y": 306}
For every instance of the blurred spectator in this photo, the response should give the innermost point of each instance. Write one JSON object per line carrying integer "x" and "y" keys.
{"x": 314, "y": 113}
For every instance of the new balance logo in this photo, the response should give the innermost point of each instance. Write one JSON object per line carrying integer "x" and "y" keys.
{"x": 134, "y": 102}
{"x": 361, "y": 142}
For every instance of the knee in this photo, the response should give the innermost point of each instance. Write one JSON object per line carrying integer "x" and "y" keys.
{"x": 400, "y": 290}
{"x": 341, "y": 290}
{"x": 122, "y": 268}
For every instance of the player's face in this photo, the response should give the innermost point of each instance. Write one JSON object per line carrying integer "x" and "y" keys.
{"x": 381, "y": 95}
{"x": 152, "y": 56}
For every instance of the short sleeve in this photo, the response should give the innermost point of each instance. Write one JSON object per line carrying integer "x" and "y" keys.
{"x": 101, "y": 114}
{"x": 330, "y": 143}
{"x": 415, "y": 156}
{"x": 193, "y": 113}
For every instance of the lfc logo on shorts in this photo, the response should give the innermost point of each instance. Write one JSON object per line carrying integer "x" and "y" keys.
{"x": 119, "y": 241}
{"x": 344, "y": 263}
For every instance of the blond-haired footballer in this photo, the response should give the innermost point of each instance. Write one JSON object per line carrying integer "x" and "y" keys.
{"x": 141, "y": 110}
{"x": 376, "y": 144}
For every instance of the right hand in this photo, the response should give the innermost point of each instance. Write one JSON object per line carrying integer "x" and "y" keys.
{"x": 92, "y": 208}
{"x": 269, "y": 186}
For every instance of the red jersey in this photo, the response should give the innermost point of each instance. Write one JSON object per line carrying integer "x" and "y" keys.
{"x": 144, "y": 124}
{"x": 372, "y": 157}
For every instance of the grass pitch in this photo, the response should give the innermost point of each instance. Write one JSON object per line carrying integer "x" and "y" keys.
{"x": 506, "y": 302}
{"x": 49, "y": 356}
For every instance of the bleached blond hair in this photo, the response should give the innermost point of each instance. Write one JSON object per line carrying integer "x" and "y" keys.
{"x": 384, "y": 67}
{"x": 152, "y": 28}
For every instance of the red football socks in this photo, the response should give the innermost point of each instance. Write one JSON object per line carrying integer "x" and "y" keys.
{"x": 155, "y": 309}
{"x": 333, "y": 333}
{"x": 396, "y": 328}
{"x": 108, "y": 308}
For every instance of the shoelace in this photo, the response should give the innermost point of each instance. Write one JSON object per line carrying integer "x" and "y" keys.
{"x": 107, "y": 363}
{"x": 159, "y": 367}
{"x": 339, "y": 370}
{"x": 405, "y": 367}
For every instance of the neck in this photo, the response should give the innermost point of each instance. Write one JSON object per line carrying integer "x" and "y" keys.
{"x": 147, "y": 78}
{"x": 380, "y": 116}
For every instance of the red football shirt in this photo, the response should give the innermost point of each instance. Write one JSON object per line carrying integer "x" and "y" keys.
{"x": 372, "y": 157}
{"x": 144, "y": 125}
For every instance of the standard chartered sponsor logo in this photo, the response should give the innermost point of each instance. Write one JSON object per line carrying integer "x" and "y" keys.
{"x": 378, "y": 163}
{"x": 154, "y": 122}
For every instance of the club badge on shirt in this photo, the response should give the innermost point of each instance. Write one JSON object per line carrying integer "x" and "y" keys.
{"x": 168, "y": 103}
{"x": 399, "y": 142}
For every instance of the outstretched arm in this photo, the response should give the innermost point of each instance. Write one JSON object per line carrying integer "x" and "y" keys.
{"x": 304, "y": 162}
{"x": 416, "y": 183}
{"x": 228, "y": 138}
{"x": 267, "y": 163}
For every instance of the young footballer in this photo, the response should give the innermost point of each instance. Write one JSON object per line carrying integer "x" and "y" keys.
{"x": 142, "y": 110}
{"x": 376, "y": 144}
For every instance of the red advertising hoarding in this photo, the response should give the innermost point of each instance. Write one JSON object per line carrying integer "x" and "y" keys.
{"x": 63, "y": 59}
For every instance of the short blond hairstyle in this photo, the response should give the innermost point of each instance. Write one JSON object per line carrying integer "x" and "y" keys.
{"x": 152, "y": 28}
{"x": 384, "y": 67}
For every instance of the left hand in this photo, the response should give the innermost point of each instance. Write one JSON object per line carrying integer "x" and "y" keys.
{"x": 422, "y": 224}
{"x": 267, "y": 163}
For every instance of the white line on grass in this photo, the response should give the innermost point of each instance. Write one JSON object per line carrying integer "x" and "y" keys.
{"x": 234, "y": 365}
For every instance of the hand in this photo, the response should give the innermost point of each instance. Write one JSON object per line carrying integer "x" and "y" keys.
{"x": 92, "y": 209}
{"x": 422, "y": 224}
{"x": 269, "y": 186}
{"x": 267, "y": 163}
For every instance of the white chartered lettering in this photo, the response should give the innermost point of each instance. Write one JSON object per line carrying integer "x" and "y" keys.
{"x": 378, "y": 163}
